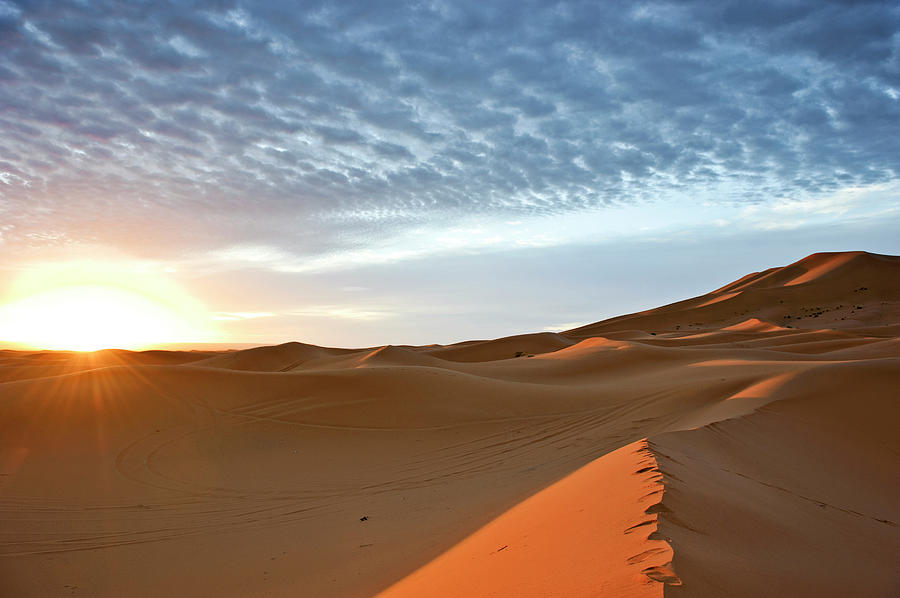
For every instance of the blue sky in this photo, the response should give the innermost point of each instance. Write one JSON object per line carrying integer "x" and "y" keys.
{"x": 364, "y": 173}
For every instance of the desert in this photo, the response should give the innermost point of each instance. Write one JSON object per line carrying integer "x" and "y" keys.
{"x": 449, "y": 299}
{"x": 740, "y": 443}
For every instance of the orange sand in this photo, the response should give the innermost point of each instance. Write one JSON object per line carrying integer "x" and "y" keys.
{"x": 742, "y": 443}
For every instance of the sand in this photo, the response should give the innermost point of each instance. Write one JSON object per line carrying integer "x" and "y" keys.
{"x": 741, "y": 443}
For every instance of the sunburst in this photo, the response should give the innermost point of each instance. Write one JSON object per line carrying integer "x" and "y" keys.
{"x": 101, "y": 309}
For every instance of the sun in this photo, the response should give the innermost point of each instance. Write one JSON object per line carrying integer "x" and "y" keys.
{"x": 87, "y": 318}
{"x": 94, "y": 308}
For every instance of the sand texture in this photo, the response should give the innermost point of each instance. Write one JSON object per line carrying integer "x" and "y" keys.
{"x": 741, "y": 443}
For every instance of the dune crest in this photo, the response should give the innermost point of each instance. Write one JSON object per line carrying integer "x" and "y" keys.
{"x": 592, "y": 533}
{"x": 741, "y": 443}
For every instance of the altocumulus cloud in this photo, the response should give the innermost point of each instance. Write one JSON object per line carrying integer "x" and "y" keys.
{"x": 310, "y": 125}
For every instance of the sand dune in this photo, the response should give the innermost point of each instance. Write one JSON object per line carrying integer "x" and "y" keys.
{"x": 755, "y": 325}
{"x": 838, "y": 290}
{"x": 805, "y": 489}
{"x": 592, "y": 533}
{"x": 502, "y": 348}
{"x": 712, "y": 447}
{"x": 278, "y": 358}
{"x": 19, "y": 365}
{"x": 388, "y": 355}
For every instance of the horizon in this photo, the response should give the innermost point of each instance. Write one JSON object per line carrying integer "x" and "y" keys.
{"x": 228, "y": 347}
{"x": 241, "y": 173}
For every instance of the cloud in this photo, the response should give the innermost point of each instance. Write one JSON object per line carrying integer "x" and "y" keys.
{"x": 242, "y": 315}
{"x": 171, "y": 127}
{"x": 340, "y": 312}
{"x": 562, "y": 327}
{"x": 872, "y": 202}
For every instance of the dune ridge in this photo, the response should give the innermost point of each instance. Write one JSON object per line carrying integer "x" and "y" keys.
{"x": 566, "y": 540}
{"x": 712, "y": 447}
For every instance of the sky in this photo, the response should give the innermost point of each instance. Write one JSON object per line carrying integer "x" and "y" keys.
{"x": 360, "y": 173}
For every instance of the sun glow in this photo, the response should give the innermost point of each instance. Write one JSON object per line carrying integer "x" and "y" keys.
{"x": 88, "y": 308}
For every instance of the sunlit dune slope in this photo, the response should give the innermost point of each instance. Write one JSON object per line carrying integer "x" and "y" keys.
{"x": 708, "y": 448}
{"x": 593, "y": 533}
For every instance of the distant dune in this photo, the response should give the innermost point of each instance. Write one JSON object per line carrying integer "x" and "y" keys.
{"x": 825, "y": 290}
{"x": 744, "y": 443}
{"x": 280, "y": 358}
